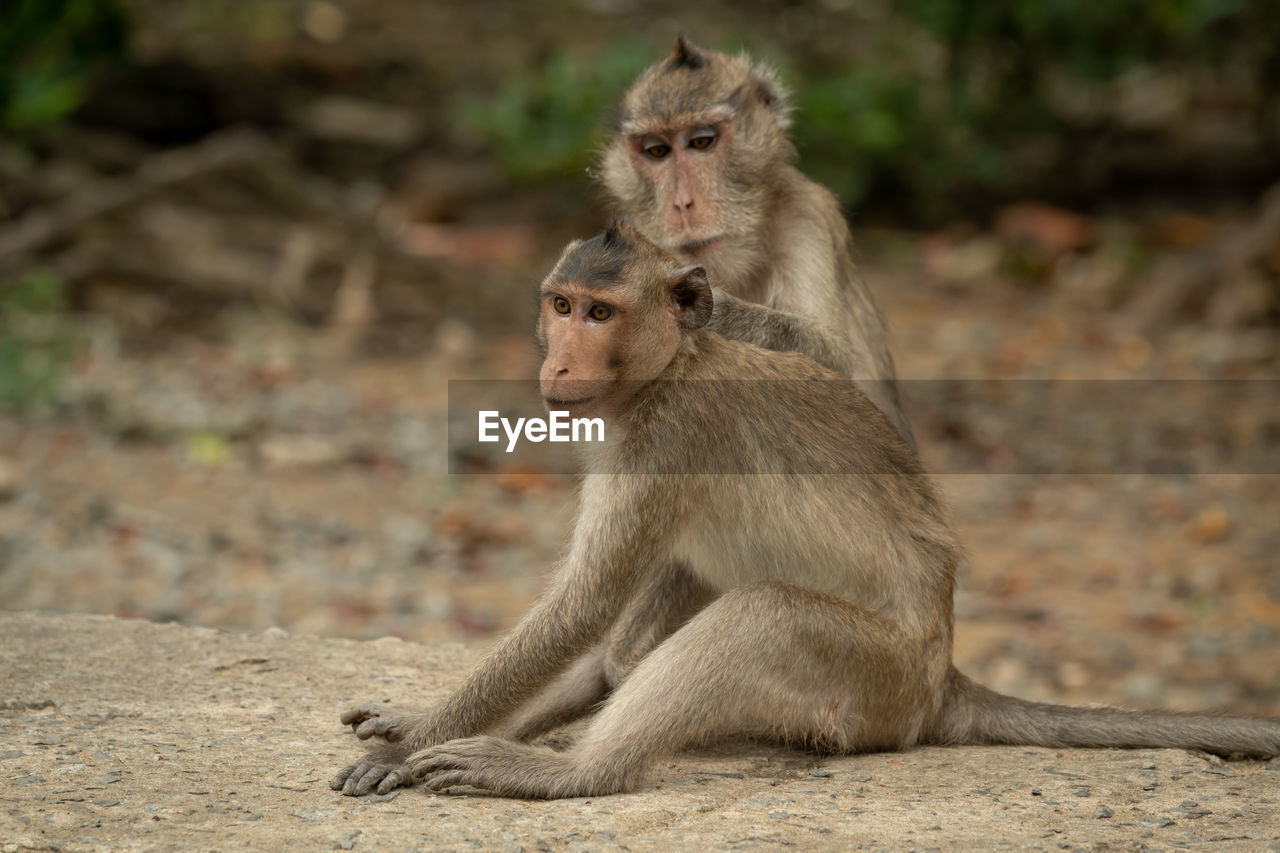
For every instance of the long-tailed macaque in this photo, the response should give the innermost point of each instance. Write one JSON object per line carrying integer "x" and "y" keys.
{"x": 700, "y": 162}
{"x": 819, "y": 560}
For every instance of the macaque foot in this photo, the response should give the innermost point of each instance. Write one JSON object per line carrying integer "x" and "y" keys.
{"x": 376, "y": 720}
{"x": 381, "y": 771}
{"x": 504, "y": 767}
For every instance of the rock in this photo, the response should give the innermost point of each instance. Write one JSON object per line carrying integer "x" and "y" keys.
{"x": 345, "y": 119}
{"x": 347, "y": 840}
{"x": 107, "y": 672}
{"x": 300, "y": 451}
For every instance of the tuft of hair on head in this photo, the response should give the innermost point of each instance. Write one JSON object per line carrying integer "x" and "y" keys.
{"x": 615, "y": 235}
{"x": 602, "y": 260}
{"x": 686, "y": 55}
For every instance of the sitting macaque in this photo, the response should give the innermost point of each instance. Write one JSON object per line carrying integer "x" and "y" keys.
{"x": 814, "y": 557}
{"x": 700, "y": 162}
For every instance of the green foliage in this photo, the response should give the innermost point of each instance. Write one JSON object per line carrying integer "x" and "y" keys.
{"x": 923, "y": 105}
{"x": 47, "y": 51}
{"x": 545, "y": 123}
{"x": 36, "y": 342}
{"x": 949, "y": 97}
{"x": 888, "y": 123}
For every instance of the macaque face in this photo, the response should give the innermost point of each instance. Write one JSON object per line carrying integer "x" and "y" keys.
{"x": 584, "y": 330}
{"x": 698, "y": 155}
{"x": 685, "y": 168}
{"x": 612, "y": 315}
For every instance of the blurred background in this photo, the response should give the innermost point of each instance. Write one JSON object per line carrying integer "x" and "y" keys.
{"x": 245, "y": 245}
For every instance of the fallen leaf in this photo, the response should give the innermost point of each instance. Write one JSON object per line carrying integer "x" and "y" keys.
{"x": 1211, "y": 525}
{"x": 1052, "y": 229}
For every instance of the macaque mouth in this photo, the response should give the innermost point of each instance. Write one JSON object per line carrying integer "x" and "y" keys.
{"x": 695, "y": 246}
{"x": 559, "y": 401}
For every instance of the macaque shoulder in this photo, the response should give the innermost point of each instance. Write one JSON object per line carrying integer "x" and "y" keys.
{"x": 720, "y": 358}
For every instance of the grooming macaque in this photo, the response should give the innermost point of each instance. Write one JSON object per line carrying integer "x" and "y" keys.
{"x": 702, "y": 165}
{"x": 814, "y": 608}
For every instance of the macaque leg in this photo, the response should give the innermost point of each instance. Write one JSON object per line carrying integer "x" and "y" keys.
{"x": 570, "y": 696}
{"x": 768, "y": 659}
{"x": 669, "y": 598}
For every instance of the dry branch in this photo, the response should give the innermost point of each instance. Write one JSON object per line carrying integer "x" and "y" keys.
{"x": 43, "y": 226}
{"x": 1174, "y": 281}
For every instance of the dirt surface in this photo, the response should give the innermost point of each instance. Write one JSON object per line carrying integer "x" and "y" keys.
{"x": 128, "y": 735}
{"x": 262, "y": 478}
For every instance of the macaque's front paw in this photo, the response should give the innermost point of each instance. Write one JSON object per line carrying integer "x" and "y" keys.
{"x": 377, "y": 720}
{"x": 382, "y": 770}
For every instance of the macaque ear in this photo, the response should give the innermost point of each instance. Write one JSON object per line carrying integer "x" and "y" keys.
{"x": 771, "y": 94}
{"x": 691, "y": 299}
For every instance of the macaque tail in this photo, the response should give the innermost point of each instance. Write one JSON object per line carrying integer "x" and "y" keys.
{"x": 972, "y": 714}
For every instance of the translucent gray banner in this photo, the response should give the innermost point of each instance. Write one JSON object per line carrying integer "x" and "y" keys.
{"x": 963, "y": 426}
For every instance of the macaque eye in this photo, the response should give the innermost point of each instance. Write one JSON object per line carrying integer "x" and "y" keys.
{"x": 560, "y": 305}
{"x": 600, "y": 312}
{"x": 656, "y": 148}
{"x": 704, "y": 141}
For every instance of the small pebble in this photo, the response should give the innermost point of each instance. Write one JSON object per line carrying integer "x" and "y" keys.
{"x": 346, "y": 840}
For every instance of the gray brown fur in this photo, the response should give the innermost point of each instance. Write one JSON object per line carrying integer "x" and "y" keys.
{"x": 785, "y": 264}
{"x": 811, "y": 609}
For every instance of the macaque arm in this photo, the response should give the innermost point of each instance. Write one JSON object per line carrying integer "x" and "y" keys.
{"x": 782, "y": 331}
{"x": 669, "y": 598}
{"x": 623, "y": 533}
{"x": 766, "y": 327}
{"x": 573, "y": 694}
{"x": 375, "y": 719}
{"x": 666, "y": 600}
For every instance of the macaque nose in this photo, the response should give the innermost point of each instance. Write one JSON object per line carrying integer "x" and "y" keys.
{"x": 683, "y": 197}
